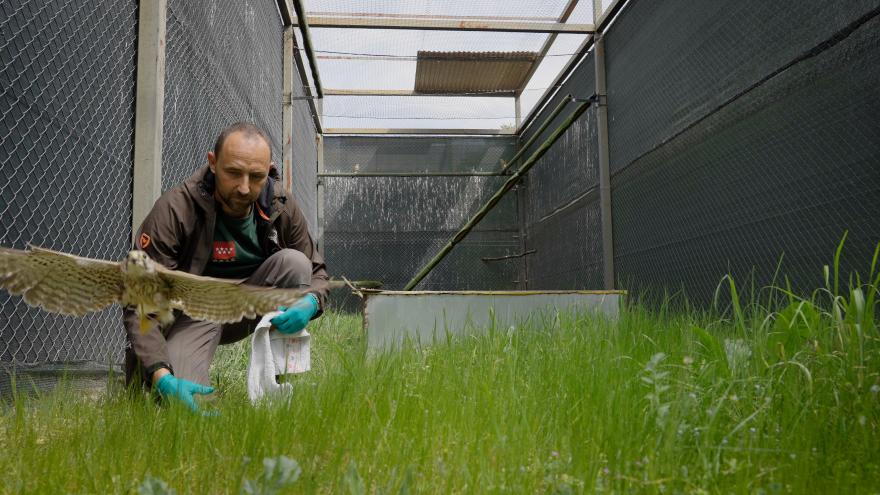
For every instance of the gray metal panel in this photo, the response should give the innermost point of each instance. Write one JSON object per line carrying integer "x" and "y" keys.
{"x": 392, "y": 318}
{"x": 66, "y": 135}
{"x": 784, "y": 169}
{"x": 416, "y": 153}
{"x": 223, "y": 65}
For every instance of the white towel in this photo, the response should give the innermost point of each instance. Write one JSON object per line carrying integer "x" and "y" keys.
{"x": 273, "y": 353}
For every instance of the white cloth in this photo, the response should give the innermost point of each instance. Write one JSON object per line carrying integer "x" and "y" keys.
{"x": 273, "y": 353}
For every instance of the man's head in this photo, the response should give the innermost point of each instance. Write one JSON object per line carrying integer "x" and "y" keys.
{"x": 240, "y": 162}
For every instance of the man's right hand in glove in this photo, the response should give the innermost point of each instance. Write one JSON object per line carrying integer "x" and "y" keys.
{"x": 169, "y": 386}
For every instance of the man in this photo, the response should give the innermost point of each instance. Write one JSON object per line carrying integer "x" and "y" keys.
{"x": 230, "y": 219}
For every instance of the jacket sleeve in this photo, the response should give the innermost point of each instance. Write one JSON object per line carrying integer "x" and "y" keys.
{"x": 160, "y": 237}
{"x": 298, "y": 237}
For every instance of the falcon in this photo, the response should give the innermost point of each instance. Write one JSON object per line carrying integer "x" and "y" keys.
{"x": 68, "y": 284}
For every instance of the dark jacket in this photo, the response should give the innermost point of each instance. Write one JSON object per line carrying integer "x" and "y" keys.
{"x": 179, "y": 233}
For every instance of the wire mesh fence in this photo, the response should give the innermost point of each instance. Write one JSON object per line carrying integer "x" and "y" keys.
{"x": 386, "y": 228}
{"x": 67, "y": 101}
{"x": 223, "y": 65}
{"x": 67, "y": 74}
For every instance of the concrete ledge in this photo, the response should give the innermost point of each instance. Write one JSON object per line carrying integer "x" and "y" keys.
{"x": 390, "y": 317}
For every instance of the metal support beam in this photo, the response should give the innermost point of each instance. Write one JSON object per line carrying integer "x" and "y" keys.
{"x": 303, "y": 24}
{"x": 517, "y": 108}
{"x": 604, "y": 167}
{"x": 548, "y": 43}
{"x": 433, "y": 132}
{"x": 149, "y": 110}
{"x": 286, "y": 12}
{"x": 409, "y": 92}
{"x": 287, "y": 108}
{"x": 440, "y": 24}
{"x": 319, "y": 143}
{"x": 562, "y": 104}
{"x": 607, "y": 16}
{"x": 410, "y": 174}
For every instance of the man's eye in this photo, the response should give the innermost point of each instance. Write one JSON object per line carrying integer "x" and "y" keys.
{"x": 257, "y": 178}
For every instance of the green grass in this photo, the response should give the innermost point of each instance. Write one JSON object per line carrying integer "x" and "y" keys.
{"x": 779, "y": 396}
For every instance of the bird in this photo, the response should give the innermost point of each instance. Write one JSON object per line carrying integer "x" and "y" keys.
{"x": 68, "y": 284}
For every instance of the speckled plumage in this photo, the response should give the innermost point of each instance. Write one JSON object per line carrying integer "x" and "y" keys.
{"x": 64, "y": 283}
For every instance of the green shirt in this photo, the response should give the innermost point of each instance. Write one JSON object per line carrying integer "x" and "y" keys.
{"x": 236, "y": 252}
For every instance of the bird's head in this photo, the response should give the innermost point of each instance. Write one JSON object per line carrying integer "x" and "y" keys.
{"x": 138, "y": 263}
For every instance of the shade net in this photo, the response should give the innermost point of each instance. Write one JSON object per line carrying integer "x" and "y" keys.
{"x": 387, "y": 228}
{"x": 733, "y": 145}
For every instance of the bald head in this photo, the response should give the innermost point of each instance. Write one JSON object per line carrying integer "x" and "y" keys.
{"x": 247, "y": 130}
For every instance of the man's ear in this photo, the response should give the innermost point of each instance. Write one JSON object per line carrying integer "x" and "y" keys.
{"x": 212, "y": 162}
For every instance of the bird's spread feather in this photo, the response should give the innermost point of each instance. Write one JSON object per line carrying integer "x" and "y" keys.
{"x": 68, "y": 284}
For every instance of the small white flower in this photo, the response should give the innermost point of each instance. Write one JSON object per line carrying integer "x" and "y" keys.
{"x": 875, "y": 388}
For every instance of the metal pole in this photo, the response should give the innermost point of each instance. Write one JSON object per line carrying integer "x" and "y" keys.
{"x": 319, "y": 143}
{"x": 604, "y": 168}
{"x": 508, "y": 184}
{"x": 410, "y": 174}
{"x": 149, "y": 110}
{"x": 307, "y": 41}
{"x": 287, "y": 109}
{"x": 556, "y": 111}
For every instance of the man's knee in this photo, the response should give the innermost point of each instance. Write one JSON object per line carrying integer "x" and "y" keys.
{"x": 289, "y": 268}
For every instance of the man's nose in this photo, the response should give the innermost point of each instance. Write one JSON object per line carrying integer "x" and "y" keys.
{"x": 244, "y": 186}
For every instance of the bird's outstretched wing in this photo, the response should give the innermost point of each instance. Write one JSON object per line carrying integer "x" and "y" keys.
{"x": 60, "y": 282}
{"x": 221, "y": 300}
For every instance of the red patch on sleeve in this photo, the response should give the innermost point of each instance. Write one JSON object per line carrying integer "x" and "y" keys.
{"x": 224, "y": 251}
{"x": 145, "y": 241}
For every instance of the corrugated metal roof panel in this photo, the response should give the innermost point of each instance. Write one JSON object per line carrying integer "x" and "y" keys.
{"x": 472, "y": 72}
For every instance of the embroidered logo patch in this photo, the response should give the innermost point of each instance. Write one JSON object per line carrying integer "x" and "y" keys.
{"x": 224, "y": 251}
{"x": 145, "y": 241}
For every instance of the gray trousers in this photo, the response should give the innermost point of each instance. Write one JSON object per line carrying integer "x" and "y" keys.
{"x": 191, "y": 343}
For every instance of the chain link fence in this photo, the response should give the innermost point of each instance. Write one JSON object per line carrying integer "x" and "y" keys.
{"x": 67, "y": 74}
{"x": 223, "y": 64}
{"x": 67, "y": 102}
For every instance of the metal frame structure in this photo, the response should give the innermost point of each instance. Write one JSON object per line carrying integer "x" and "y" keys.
{"x": 392, "y": 21}
{"x": 413, "y": 131}
{"x": 425, "y": 22}
{"x": 363, "y": 21}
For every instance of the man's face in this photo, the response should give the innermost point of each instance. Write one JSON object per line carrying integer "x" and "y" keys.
{"x": 241, "y": 171}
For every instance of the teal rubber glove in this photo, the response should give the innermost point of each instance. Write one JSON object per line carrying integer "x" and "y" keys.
{"x": 182, "y": 390}
{"x": 297, "y": 316}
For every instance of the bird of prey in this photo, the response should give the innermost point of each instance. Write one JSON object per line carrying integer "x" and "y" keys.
{"x": 64, "y": 283}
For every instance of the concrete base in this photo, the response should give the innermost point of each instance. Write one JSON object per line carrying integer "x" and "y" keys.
{"x": 392, "y": 316}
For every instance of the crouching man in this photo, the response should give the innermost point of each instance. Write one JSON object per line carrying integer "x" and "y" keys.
{"x": 231, "y": 219}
